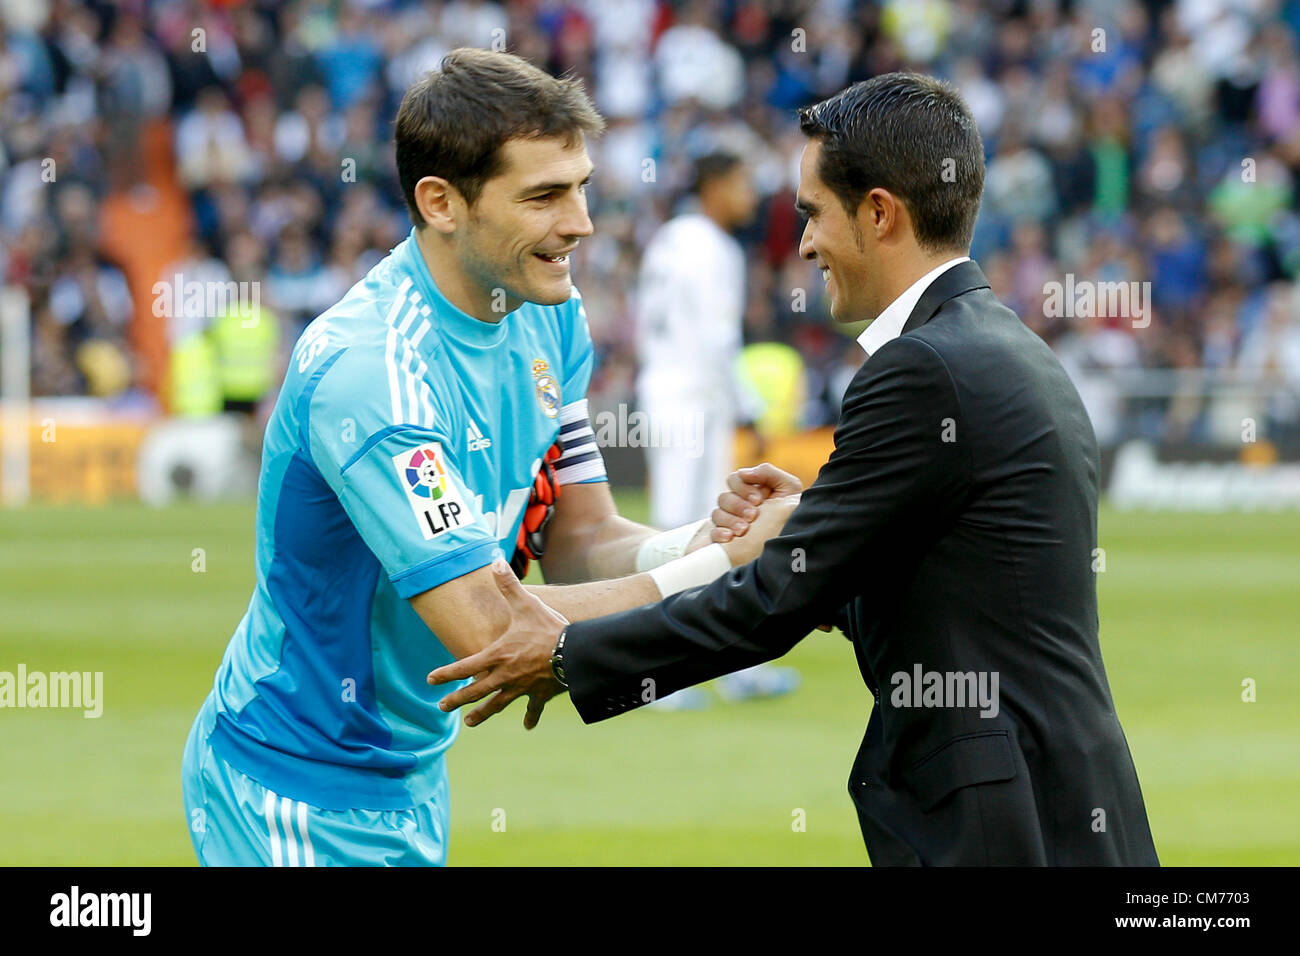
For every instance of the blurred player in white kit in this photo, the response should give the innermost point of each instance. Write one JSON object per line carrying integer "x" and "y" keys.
{"x": 690, "y": 311}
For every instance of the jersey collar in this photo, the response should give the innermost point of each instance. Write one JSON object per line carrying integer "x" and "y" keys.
{"x": 450, "y": 321}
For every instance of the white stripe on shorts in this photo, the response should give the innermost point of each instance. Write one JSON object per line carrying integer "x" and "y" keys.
{"x": 308, "y": 854}
{"x": 291, "y": 840}
{"x": 286, "y": 817}
{"x": 268, "y": 811}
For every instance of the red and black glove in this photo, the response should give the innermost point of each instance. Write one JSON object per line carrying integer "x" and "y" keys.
{"x": 531, "y": 544}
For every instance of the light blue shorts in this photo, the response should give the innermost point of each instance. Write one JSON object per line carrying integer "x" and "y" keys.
{"x": 235, "y": 821}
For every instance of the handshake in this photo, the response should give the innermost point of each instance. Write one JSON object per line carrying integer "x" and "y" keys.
{"x": 752, "y": 509}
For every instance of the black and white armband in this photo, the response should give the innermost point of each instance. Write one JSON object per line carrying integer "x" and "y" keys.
{"x": 581, "y": 460}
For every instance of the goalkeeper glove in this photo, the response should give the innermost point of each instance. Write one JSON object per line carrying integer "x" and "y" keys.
{"x": 531, "y": 543}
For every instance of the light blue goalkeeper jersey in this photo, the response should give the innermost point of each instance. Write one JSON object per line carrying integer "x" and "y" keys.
{"x": 400, "y": 454}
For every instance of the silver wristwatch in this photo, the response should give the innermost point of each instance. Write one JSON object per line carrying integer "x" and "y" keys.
{"x": 557, "y": 659}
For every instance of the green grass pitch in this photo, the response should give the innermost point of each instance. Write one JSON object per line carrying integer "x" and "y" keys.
{"x": 1191, "y": 605}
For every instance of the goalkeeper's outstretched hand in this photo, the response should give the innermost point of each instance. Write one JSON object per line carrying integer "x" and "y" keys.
{"x": 517, "y": 663}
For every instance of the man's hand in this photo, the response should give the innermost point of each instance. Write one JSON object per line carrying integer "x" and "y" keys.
{"x": 517, "y": 663}
{"x": 748, "y": 500}
{"x": 772, "y": 515}
{"x": 747, "y": 489}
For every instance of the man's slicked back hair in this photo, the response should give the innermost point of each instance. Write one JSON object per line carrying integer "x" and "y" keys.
{"x": 912, "y": 135}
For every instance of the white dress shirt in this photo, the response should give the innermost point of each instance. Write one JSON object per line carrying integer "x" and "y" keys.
{"x": 889, "y": 324}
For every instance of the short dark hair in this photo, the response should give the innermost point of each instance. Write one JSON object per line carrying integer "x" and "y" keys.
{"x": 912, "y": 135}
{"x": 712, "y": 166}
{"x": 453, "y": 122}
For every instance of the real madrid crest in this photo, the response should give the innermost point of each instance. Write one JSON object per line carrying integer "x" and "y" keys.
{"x": 548, "y": 391}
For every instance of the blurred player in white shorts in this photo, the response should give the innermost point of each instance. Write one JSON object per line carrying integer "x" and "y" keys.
{"x": 690, "y": 309}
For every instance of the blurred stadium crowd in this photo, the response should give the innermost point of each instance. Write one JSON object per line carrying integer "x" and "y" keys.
{"x": 251, "y": 141}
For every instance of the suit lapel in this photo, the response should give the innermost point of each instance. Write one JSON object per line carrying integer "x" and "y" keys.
{"x": 961, "y": 278}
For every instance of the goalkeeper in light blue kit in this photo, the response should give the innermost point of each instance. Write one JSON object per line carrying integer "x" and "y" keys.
{"x": 432, "y": 425}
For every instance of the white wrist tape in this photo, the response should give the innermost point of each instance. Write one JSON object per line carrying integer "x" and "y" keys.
{"x": 698, "y": 567}
{"x": 666, "y": 546}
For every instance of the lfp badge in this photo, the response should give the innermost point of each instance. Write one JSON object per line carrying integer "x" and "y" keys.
{"x": 432, "y": 493}
{"x": 548, "y": 392}
{"x": 425, "y": 475}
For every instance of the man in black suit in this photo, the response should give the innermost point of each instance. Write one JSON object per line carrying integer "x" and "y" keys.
{"x": 952, "y": 534}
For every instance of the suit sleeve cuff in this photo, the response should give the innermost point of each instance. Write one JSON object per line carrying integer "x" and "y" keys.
{"x": 594, "y": 696}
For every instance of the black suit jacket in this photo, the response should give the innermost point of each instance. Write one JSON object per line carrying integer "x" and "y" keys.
{"x": 952, "y": 531}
